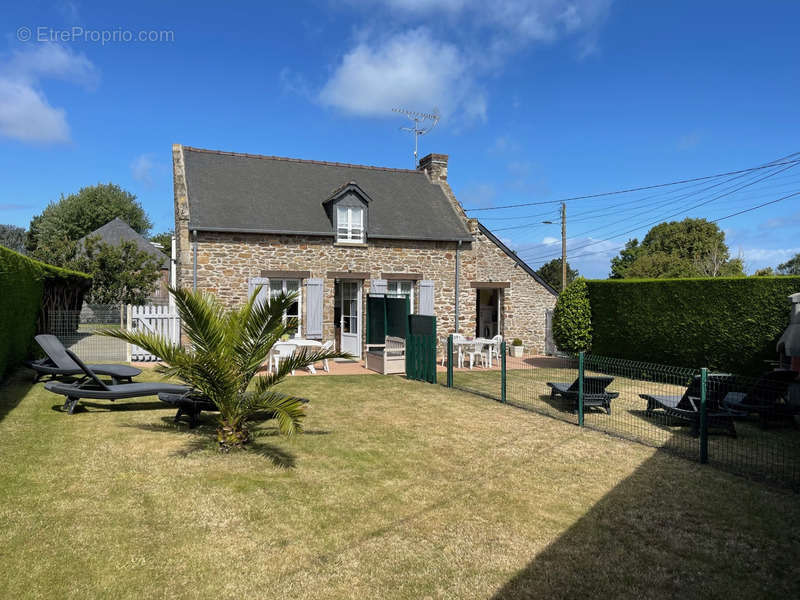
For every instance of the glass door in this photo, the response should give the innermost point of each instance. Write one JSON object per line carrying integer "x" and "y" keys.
{"x": 347, "y": 310}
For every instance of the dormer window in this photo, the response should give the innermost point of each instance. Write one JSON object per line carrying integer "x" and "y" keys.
{"x": 350, "y": 224}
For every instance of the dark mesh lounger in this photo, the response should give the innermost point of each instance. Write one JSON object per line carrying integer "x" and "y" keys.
{"x": 686, "y": 407}
{"x": 58, "y": 364}
{"x": 90, "y": 386}
{"x": 594, "y": 392}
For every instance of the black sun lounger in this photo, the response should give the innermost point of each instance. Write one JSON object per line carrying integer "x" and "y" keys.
{"x": 58, "y": 364}
{"x": 767, "y": 398}
{"x": 594, "y": 392}
{"x": 686, "y": 407}
{"x": 90, "y": 386}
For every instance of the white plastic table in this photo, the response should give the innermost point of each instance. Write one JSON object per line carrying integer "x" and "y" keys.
{"x": 471, "y": 342}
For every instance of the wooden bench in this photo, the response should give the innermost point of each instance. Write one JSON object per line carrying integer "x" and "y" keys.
{"x": 387, "y": 358}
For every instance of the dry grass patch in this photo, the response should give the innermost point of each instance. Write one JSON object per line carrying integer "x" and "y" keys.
{"x": 397, "y": 490}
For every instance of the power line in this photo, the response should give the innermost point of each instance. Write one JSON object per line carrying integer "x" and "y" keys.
{"x": 683, "y": 211}
{"x": 639, "y": 189}
{"x": 737, "y": 213}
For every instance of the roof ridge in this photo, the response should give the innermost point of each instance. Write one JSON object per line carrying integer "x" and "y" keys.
{"x": 301, "y": 160}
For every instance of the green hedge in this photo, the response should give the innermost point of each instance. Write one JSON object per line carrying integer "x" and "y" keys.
{"x": 23, "y": 284}
{"x": 725, "y": 324}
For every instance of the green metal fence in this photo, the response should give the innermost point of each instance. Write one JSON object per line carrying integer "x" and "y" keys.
{"x": 746, "y": 425}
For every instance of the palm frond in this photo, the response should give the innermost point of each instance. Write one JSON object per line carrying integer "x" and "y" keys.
{"x": 288, "y": 410}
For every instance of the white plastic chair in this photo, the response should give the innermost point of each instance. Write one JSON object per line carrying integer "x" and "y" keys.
{"x": 477, "y": 350}
{"x": 494, "y": 348}
{"x": 282, "y": 352}
{"x": 325, "y": 347}
{"x": 456, "y": 348}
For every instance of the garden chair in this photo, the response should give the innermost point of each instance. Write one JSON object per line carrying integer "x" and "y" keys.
{"x": 594, "y": 392}
{"x": 494, "y": 348}
{"x": 477, "y": 351}
{"x": 57, "y": 364}
{"x": 767, "y": 398}
{"x": 281, "y": 352}
{"x": 90, "y": 386}
{"x": 686, "y": 406}
{"x": 325, "y": 347}
{"x": 457, "y": 338}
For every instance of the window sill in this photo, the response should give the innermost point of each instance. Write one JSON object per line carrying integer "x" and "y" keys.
{"x": 351, "y": 244}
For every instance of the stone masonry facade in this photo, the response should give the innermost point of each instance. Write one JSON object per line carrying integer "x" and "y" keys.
{"x": 227, "y": 261}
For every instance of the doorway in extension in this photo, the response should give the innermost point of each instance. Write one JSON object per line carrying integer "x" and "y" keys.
{"x": 487, "y": 302}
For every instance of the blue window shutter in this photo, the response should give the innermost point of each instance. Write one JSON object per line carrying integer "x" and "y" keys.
{"x": 426, "y": 297}
{"x": 314, "y": 308}
{"x": 378, "y": 286}
{"x": 253, "y": 283}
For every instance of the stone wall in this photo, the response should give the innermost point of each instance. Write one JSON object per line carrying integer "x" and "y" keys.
{"x": 225, "y": 263}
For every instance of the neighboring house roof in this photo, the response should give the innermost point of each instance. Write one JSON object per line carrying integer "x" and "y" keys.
{"x": 527, "y": 268}
{"x": 117, "y": 231}
{"x": 267, "y": 194}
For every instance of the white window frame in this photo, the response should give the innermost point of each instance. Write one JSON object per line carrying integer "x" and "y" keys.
{"x": 398, "y": 293}
{"x": 279, "y": 285}
{"x": 350, "y": 229}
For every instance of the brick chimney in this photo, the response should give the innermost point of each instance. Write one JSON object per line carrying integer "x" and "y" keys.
{"x": 435, "y": 165}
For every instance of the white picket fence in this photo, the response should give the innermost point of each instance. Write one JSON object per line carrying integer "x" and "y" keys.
{"x": 159, "y": 319}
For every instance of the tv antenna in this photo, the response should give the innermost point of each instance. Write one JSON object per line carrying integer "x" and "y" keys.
{"x": 418, "y": 118}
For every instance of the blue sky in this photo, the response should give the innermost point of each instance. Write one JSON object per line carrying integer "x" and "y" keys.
{"x": 540, "y": 100}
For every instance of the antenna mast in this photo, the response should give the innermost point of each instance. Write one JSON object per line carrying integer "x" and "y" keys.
{"x": 418, "y": 118}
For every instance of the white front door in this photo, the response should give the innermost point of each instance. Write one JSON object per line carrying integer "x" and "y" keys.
{"x": 349, "y": 300}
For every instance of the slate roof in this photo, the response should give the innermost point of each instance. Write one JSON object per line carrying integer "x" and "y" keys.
{"x": 268, "y": 194}
{"x": 117, "y": 231}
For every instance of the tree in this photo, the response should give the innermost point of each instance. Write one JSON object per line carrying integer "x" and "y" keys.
{"x": 164, "y": 240}
{"x": 53, "y": 233}
{"x": 627, "y": 256}
{"x": 765, "y": 272}
{"x": 551, "y": 273}
{"x": 226, "y": 351}
{"x": 13, "y": 237}
{"x": 572, "y": 318}
{"x": 688, "y": 248}
{"x": 121, "y": 273}
{"x": 791, "y": 266}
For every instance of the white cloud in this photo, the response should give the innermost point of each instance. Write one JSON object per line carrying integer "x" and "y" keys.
{"x": 25, "y": 113}
{"x": 548, "y": 241}
{"x": 142, "y": 169}
{"x": 443, "y": 63}
{"x": 411, "y": 70}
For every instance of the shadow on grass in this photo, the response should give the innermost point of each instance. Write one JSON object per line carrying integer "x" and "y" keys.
{"x": 14, "y": 389}
{"x": 111, "y": 406}
{"x": 667, "y": 531}
{"x": 204, "y": 440}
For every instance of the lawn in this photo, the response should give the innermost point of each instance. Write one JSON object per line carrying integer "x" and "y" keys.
{"x": 772, "y": 453}
{"x": 398, "y": 489}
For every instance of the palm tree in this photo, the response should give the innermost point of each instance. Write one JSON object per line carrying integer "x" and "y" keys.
{"x": 225, "y": 351}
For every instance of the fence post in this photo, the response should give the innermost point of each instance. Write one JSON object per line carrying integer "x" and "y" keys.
{"x": 580, "y": 388}
{"x": 703, "y": 416}
{"x": 503, "y": 371}
{"x": 450, "y": 360}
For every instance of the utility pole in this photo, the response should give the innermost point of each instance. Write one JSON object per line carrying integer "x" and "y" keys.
{"x": 563, "y": 246}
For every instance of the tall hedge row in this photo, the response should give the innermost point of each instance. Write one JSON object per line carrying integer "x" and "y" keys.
{"x": 23, "y": 285}
{"x": 726, "y": 324}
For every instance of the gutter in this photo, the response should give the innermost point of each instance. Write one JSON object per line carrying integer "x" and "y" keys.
{"x": 374, "y": 236}
{"x": 458, "y": 268}
{"x": 194, "y": 261}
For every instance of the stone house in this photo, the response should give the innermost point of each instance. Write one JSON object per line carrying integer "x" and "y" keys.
{"x": 336, "y": 232}
{"x": 117, "y": 231}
